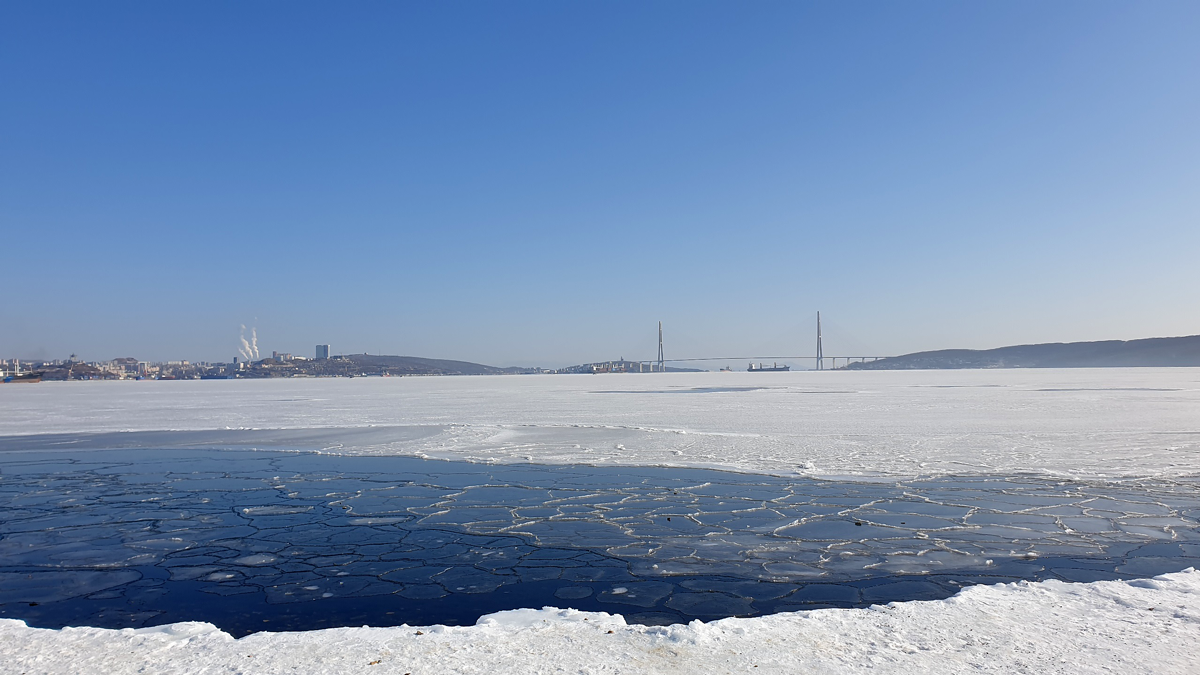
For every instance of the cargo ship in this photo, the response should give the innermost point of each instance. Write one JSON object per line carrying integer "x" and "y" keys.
{"x": 773, "y": 368}
{"x": 27, "y": 377}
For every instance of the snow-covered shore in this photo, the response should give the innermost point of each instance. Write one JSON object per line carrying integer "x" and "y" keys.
{"x": 1139, "y": 626}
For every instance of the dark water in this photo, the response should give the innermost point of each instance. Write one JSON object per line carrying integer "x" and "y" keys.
{"x": 295, "y": 541}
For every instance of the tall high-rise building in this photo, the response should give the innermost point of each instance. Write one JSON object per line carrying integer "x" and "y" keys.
{"x": 322, "y": 351}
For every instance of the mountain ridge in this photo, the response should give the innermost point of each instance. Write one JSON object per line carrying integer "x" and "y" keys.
{"x": 1181, "y": 351}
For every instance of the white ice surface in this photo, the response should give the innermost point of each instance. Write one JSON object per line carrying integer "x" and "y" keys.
{"x": 1141, "y": 626}
{"x": 1082, "y": 423}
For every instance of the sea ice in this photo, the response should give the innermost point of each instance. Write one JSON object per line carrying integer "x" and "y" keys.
{"x": 846, "y": 487}
{"x": 1082, "y": 423}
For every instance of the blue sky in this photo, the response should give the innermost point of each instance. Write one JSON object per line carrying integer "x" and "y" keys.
{"x": 540, "y": 183}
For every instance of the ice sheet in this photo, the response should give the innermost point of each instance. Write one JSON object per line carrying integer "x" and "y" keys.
{"x": 1086, "y": 423}
{"x": 1142, "y": 626}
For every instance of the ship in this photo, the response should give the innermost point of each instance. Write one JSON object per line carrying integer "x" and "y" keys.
{"x": 773, "y": 368}
{"x": 27, "y": 377}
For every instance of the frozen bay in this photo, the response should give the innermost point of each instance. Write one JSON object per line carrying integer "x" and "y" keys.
{"x": 1085, "y": 423}
{"x": 302, "y": 504}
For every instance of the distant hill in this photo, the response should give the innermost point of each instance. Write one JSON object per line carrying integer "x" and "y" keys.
{"x": 357, "y": 365}
{"x": 622, "y": 366}
{"x": 1150, "y": 352}
{"x": 415, "y": 365}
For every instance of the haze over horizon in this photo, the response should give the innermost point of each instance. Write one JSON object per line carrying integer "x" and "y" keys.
{"x": 528, "y": 184}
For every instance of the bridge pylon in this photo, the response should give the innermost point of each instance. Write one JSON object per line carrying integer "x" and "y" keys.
{"x": 820, "y": 354}
{"x": 661, "y": 363}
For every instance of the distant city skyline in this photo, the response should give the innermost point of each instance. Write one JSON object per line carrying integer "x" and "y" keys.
{"x": 531, "y": 184}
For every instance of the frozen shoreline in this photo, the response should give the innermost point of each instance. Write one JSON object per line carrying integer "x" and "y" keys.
{"x": 1136, "y": 626}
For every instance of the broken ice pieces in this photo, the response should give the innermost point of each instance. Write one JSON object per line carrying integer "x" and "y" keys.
{"x": 279, "y": 529}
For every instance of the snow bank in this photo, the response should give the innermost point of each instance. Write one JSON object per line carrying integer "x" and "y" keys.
{"x": 1141, "y": 626}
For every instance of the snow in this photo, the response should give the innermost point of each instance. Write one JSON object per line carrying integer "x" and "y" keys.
{"x": 1082, "y": 423}
{"x": 1140, "y": 626}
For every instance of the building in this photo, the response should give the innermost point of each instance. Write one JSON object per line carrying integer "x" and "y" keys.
{"x": 322, "y": 351}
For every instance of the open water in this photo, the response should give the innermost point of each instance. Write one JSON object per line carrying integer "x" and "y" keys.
{"x": 122, "y": 530}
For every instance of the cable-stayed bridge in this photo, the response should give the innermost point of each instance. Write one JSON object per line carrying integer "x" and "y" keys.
{"x": 819, "y": 360}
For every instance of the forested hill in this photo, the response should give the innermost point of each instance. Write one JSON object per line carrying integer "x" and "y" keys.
{"x": 1150, "y": 352}
{"x": 355, "y": 365}
{"x": 402, "y": 365}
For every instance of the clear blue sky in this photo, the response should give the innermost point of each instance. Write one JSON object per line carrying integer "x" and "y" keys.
{"x": 541, "y": 182}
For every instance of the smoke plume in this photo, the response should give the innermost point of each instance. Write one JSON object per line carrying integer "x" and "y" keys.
{"x": 246, "y": 350}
